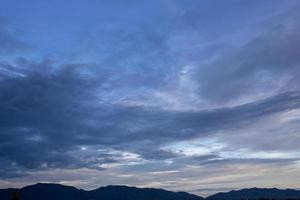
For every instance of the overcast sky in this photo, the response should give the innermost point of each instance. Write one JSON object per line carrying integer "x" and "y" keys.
{"x": 201, "y": 96}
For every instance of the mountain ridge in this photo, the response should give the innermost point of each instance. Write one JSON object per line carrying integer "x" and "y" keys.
{"x": 50, "y": 191}
{"x": 256, "y": 193}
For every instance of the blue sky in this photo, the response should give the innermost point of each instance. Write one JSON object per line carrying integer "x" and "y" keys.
{"x": 200, "y": 96}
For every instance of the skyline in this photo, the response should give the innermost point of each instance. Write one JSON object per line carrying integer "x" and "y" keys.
{"x": 199, "y": 96}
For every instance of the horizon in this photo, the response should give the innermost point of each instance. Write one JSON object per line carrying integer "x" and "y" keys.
{"x": 189, "y": 95}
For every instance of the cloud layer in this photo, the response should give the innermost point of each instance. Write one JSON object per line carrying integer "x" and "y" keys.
{"x": 182, "y": 101}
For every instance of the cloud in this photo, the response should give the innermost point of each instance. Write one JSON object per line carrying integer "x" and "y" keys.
{"x": 183, "y": 101}
{"x": 51, "y": 118}
{"x": 272, "y": 132}
{"x": 266, "y": 65}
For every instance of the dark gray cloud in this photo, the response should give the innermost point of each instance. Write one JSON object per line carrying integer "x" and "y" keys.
{"x": 47, "y": 117}
{"x": 149, "y": 153}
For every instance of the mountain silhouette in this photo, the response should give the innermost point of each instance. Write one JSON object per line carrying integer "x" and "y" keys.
{"x": 50, "y": 191}
{"x": 46, "y": 191}
{"x": 256, "y": 193}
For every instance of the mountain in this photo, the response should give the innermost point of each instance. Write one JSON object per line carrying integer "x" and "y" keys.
{"x": 45, "y": 192}
{"x": 49, "y": 191}
{"x": 60, "y": 192}
{"x": 256, "y": 193}
{"x": 133, "y": 193}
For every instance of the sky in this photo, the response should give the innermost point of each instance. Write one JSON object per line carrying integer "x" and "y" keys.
{"x": 197, "y": 96}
